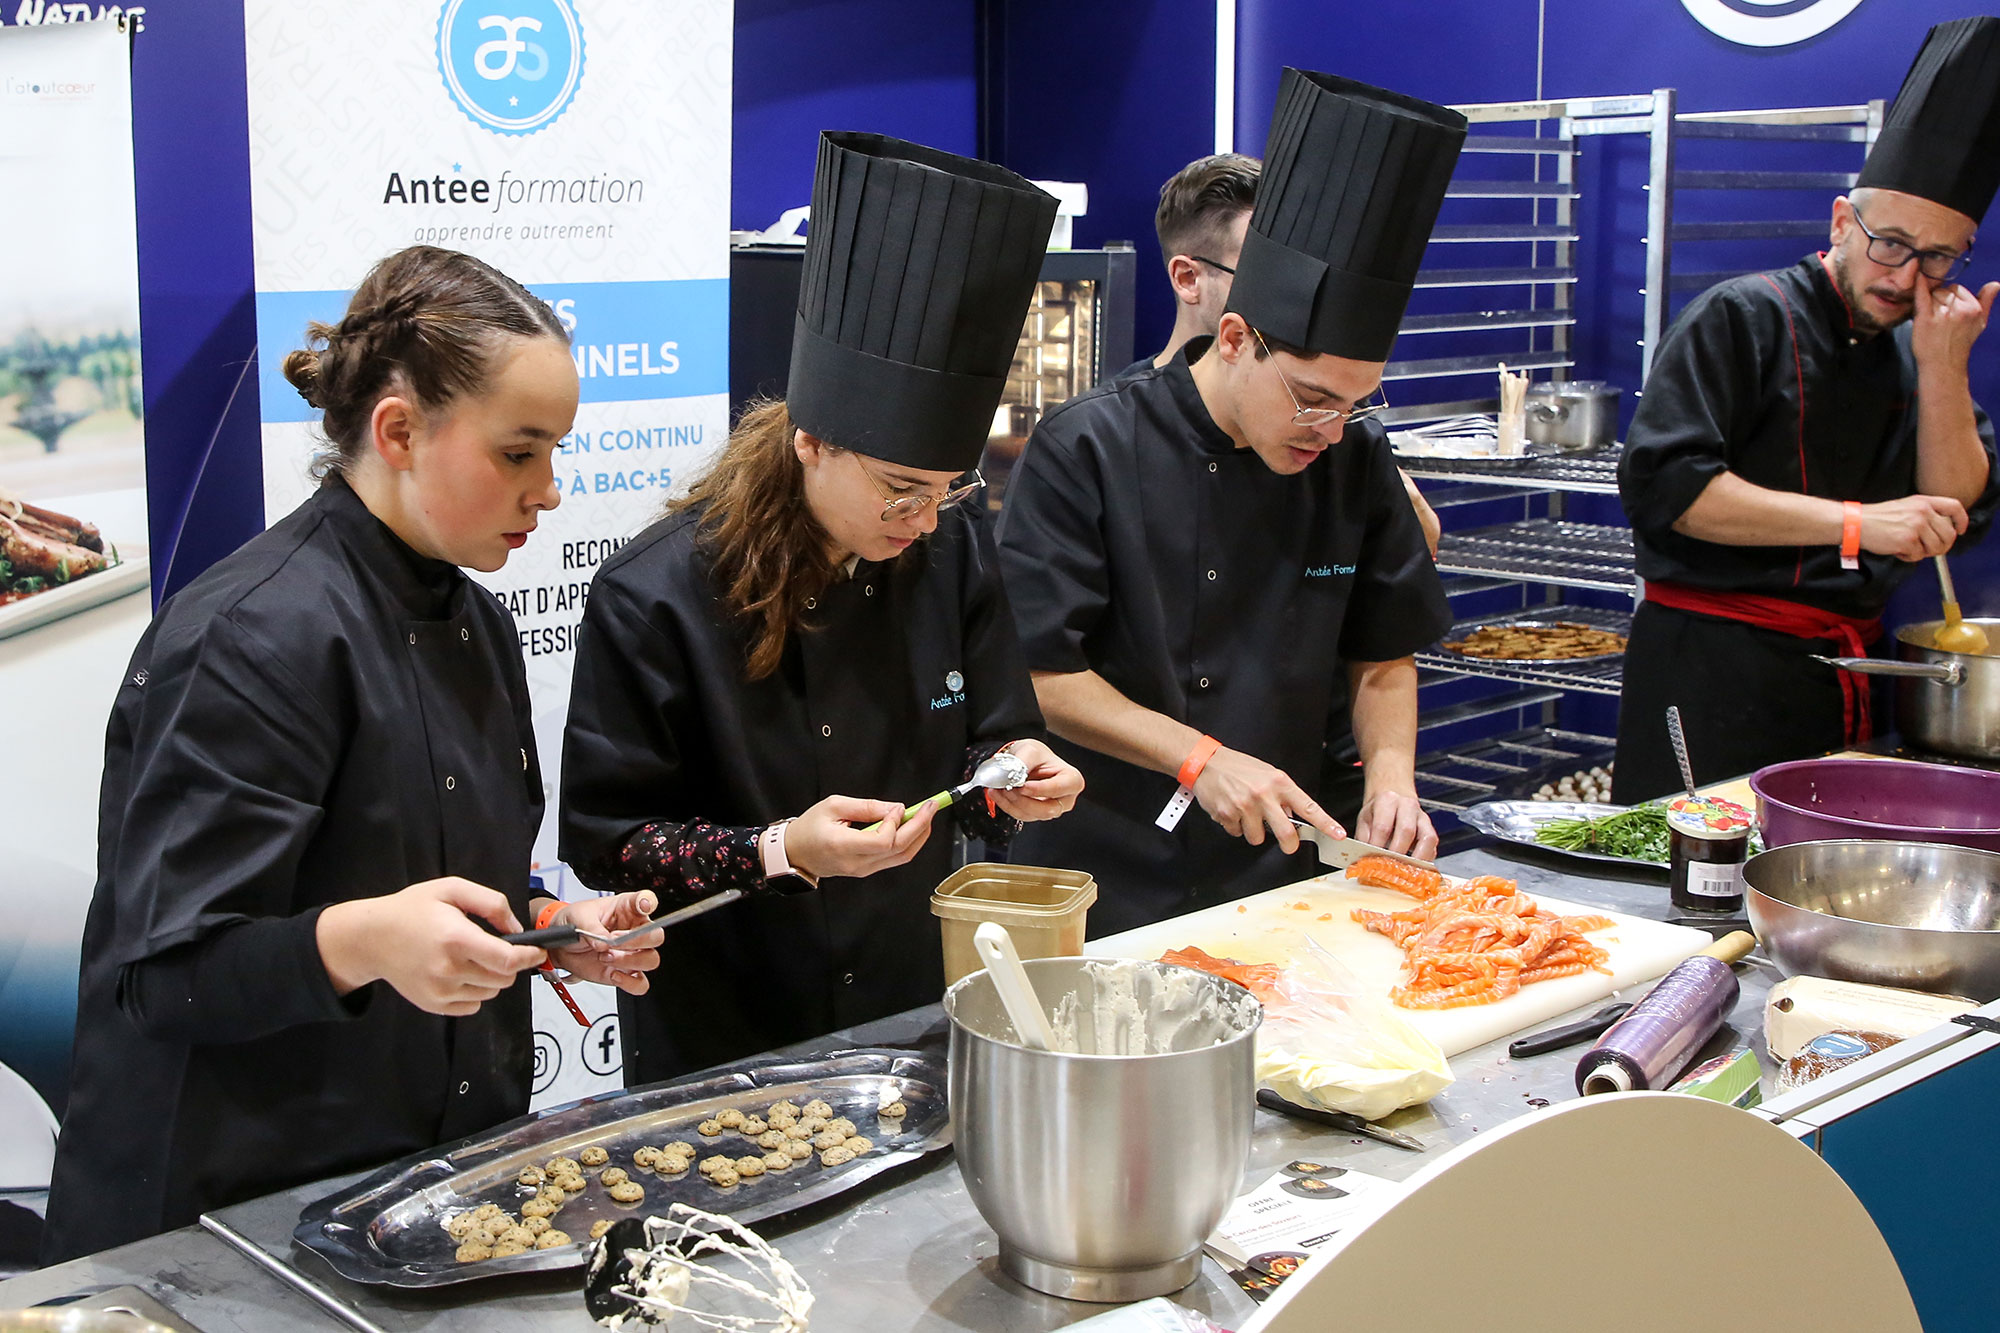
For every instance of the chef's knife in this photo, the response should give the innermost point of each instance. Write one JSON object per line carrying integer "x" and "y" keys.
{"x": 1343, "y": 852}
{"x": 561, "y": 937}
{"x": 1569, "y": 1034}
{"x": 1346, "y": 1121}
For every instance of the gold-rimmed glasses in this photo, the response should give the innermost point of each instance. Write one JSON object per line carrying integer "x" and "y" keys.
{"x": 1321, "y": 416}
{"x": 908, "y": 506}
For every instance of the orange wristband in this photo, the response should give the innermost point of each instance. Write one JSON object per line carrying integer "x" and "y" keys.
{"x": 1197, "y": 759}
{"x": 1850, "y": 534}
{"x": 548, "y": 915}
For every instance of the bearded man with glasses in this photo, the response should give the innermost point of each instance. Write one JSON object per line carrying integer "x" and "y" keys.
{"x": 1217, "y": 575}
{"x": 1805, "y": 437}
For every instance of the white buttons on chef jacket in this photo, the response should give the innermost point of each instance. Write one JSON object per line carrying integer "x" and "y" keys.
{"x": 1211, "y": 467}
{"x": 811, "y": 603}
{"x": 465, "y": 636}
{"x": 1211, "y": 576}
{"x": 847, "y": 980}
{"x": 413, "y": 638}
{"x": 826, "y": 730}
{"x": 449, "y": 782}
{"x": 1204, "y": 682}
{"x": 868, "y": 591}
{"x": 464, "y": 1088}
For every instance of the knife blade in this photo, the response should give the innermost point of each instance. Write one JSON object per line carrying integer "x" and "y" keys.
{"x": 561, "y": 937}
{"x": 1343, "y": 852}
{"x": 674, "y": 918}
{"x": 1346, "y": 1121}
{"x": 1569, "y": 1034}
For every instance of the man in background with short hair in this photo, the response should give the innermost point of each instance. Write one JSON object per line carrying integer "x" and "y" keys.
{"x": 1203, "y": 213}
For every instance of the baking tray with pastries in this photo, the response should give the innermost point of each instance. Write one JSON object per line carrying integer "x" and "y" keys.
{"x": 755, "y": 1141}
{"x": 1536, "y": 641}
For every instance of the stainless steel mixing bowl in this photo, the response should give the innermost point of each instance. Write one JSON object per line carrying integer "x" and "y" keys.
{"x": 1103, "y": 1174}
{"x": 1924, "y": 916}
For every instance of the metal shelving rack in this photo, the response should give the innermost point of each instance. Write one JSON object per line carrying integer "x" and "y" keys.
{"x": 1593, "y": 675}
{"x": 1550, "y": 552}
{"x": 1593, "y": 471}
{"x": 1454, "y": 778}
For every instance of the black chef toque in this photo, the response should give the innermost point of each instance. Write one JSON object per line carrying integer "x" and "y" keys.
{"x": 1941, "y": 139}
{"x": 919, "y": 265}
{"x": 1353, "y": 178}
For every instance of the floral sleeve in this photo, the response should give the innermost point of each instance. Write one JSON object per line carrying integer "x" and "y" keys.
{"x": 682, "y": 862}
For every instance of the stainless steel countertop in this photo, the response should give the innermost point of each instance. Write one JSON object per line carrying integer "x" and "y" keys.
{"x": 906, "y": 1251}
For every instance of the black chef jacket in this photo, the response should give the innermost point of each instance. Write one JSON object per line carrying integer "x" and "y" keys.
{"x": 1139, "y": 542}
{"x": 1763, "y": 376}
{"x": 898, "y": 671}
{"x": 322, "y": 716}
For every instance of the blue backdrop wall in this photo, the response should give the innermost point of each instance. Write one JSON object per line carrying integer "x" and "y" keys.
{"x": 900, "y": 67}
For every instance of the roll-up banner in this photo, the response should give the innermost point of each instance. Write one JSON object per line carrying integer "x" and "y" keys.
{"x": 581, "y": 146}
{"x": 72, "y": 527}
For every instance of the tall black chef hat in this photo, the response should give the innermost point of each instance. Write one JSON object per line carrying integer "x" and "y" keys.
{"x": 1941, "y": 139}
{"x": 1353, "y": 177}
{"x": 919, "y": 266}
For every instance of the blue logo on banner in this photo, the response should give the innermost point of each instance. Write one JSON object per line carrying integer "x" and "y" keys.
{"x": 511, "y": 65}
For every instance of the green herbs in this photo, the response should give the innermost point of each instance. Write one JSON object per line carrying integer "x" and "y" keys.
{"x": 1639, "y": 834}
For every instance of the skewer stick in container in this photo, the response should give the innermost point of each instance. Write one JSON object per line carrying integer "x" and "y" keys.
{"x": 1652, "y": 1044}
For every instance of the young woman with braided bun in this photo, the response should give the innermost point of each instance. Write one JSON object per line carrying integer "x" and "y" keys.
{"x": 321, "y": 792}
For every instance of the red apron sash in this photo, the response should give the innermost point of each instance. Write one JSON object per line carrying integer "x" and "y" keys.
{"x": 1852, "y": 636}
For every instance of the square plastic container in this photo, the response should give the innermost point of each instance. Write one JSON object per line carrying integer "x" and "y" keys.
{"x": 1042, "y": 909}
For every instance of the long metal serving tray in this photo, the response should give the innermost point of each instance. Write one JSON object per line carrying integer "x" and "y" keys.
{"x": 387, "y": 1230}
{"x": 1516, "y": 821}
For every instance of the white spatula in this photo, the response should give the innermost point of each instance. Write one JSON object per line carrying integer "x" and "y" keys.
{"x": 1017, "y": 993}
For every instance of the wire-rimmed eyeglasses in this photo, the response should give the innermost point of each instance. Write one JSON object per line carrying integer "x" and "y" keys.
{"x": 909, "y": 506}
{"x": 1321, "y": 416}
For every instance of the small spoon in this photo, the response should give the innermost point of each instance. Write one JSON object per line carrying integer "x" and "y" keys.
{"x": 1017, "y": 993}
{"x": 999, "y": 770}
{"x": 1955, "y": 636}
{"x": 1680, "y": 740}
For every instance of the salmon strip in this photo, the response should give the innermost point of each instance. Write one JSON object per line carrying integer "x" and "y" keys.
{"x": 1385, "y": 872}
{"x": 1260, "y": 979}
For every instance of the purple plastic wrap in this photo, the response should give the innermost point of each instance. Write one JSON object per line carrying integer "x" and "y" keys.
{"x": 1655, "y": 1041}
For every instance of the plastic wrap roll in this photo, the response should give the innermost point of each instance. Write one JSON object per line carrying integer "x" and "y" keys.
{"x": 1653, "y": 1043}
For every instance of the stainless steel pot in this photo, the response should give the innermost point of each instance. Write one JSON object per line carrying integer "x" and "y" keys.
{"x": 1102, "y": 1173}
{"x": 1573, "y": 414}
{"x": 1948, "y": 702}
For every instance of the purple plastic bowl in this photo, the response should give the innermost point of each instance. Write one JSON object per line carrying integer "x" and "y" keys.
{"x": 1887, "y": 800}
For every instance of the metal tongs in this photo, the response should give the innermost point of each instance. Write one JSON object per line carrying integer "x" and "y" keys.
{"x": 561, "y": 937}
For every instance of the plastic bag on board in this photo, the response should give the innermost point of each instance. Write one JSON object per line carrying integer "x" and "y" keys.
{"x": 1326, "y": 1042}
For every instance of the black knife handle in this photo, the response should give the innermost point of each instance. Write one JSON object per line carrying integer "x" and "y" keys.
{"x": 548, "y": 937}
{"x": 1569, "y": 1034}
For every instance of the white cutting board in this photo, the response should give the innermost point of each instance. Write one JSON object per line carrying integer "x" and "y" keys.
{"x": 1267, "y": 928}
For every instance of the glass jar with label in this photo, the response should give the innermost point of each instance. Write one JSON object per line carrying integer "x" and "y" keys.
{"x": 1708, "y": 840}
